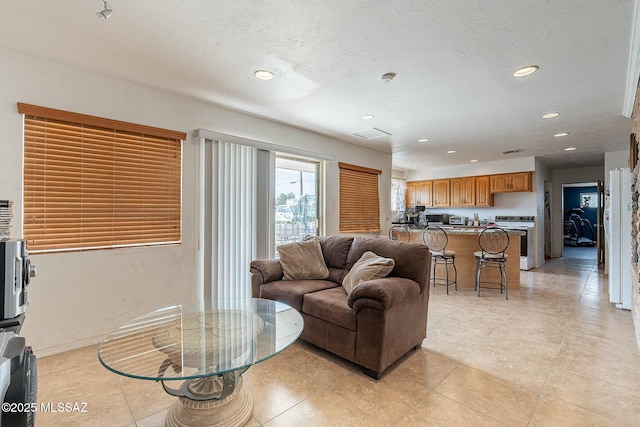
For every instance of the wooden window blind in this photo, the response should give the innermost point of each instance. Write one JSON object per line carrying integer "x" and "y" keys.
{"x": 359, "y": 199}
{"x": 92, "y": 183}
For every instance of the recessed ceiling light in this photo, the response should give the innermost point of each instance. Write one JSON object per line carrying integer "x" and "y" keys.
{"x": 569, "y": 148}
{"x": 423, "y": 140}
{"x": 473, "y": 161}
{"x": 551, "y": 115}
{"x": 561, "y": 134}
{"x": 367, "y": 117}
{"x": 451, "y": 151}
{"x": 525, "y": 71}
{"x": 263, "y": 74}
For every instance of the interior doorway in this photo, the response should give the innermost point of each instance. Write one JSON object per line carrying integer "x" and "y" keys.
{"x": 582, "y": 205}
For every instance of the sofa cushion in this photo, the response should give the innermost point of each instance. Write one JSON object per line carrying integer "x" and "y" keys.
{"x": 303, "y": 261}
{"x": 291, "y": 292}
{"x": 412, "y": 259}
{"x": 335, "y": 250}
{"x": 331, "y": 306}
{"x": 369, "y": 266}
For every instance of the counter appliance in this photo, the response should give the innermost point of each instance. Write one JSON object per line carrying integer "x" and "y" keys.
{"x": 437, "y": 219}
{"x": 458, "y": 220}
{"x": 527, "y": 246}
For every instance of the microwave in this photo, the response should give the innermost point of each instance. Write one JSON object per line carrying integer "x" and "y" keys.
{"x": 458, "y": 220}
{"x": 437, "y": 218}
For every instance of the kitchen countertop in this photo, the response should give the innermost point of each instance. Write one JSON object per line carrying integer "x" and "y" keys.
{"x": 465, "y": 229}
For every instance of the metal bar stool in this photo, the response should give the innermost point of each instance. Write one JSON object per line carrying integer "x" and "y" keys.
{"x": 399, "y": 232}
{"x": 435, "y": 238}
{"x": 493, "y": 244}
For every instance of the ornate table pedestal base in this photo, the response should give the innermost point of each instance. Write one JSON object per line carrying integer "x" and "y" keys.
{"x": 236, "y": 409}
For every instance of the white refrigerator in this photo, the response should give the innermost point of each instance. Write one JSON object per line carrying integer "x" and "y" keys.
{"x": 617, "y": 221}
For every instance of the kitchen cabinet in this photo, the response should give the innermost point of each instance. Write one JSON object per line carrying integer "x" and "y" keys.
{"x": 419, "y": 193}
{"x": 511, "y": 182}
{"x": 483, "y": 192}
{"x": 410, "y": 194}
{"x": 440, "y": 193}
{"x": 425, "y": 193}
{"x": 462, "y": 191}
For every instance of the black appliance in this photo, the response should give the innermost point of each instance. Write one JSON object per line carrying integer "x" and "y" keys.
{"x": 18, "y": 368}
{"x": 437, "y": 219}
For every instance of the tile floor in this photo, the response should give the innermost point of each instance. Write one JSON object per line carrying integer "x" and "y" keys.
{"x": 556, "y": 354}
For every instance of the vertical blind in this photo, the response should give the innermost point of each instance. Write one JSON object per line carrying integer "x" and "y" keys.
{"x": 359, "y": 199}
{"x": 233, "y": 219}
{"x": 94, "y": 183}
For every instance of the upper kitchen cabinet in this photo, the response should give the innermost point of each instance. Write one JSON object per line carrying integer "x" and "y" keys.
{"x": 440, "y": 193}
{"x": 463, "y": 191}
{"x": 511, "y": 182}
{"x": 410, "y": 194}
{"x": 419, "y": 193}
{"x": 424, "y": 194}
{"x": 483, "y": 192}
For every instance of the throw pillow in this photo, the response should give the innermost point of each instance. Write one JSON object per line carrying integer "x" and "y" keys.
{"x": 303, "y": 260}
{"x": 369, "y": 266}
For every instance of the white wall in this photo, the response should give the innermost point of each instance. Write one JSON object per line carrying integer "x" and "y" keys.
{"x": 474, "y": 169}
{"x": 77, "y": 298}
{"x": 543, "y": 175}
{"x": 614, "y": 160}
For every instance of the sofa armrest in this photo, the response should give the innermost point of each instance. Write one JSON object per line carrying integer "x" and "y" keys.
{"x": 383, "y": 294}
{"x": 266, "y": 270}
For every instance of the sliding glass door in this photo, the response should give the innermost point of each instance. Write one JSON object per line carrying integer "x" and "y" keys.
{"x": 296, "y": 204}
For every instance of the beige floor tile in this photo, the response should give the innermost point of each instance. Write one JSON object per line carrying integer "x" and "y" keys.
{"x": 385, "y": 400}
{"x": 591, "y": 356}
{"x": 423, "y": 367}
{"x": 606, "y": 399}
{"x": 551, "y": 412}
{"x": 276, "y": 386}
{"x": 487, "y": 394}
{"x": 144, "y": 397}
{"x": 438, "y": 410}
{"x": 324, "y": 409}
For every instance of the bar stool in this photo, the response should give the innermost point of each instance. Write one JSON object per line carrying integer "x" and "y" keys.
{"x": 493, "y": 244}
{"x": 399, "y": 232}
{"x": 435, "y": 238}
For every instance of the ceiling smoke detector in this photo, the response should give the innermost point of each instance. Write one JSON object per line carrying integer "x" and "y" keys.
{"x": 388, "y": 77}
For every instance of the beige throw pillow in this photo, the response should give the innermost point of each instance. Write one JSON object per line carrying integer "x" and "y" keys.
{"x": 369, "y": 266}
{"x": 303, "y": 260}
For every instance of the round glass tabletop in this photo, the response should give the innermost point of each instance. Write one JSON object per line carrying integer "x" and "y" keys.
{"x": 201, "y": 339}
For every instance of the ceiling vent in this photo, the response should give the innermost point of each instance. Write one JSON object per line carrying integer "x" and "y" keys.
{"x": 371, "y": 133}
{"x": 512, "y": 151}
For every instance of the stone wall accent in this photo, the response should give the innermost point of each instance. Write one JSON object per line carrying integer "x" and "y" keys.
{"x": 635, "y": 215}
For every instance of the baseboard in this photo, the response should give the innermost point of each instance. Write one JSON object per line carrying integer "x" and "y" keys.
{"x": 50, "y": 351}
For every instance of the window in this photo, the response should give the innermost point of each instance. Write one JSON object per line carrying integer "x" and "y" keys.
{"x": 398, "y": 191}
{"x": 296, "y": 191}
{"x": 359, "y": 199}
{"x": 93, "y": 183}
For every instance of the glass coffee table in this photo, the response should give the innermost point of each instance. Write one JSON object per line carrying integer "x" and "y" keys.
{"x": 198, "y": 351}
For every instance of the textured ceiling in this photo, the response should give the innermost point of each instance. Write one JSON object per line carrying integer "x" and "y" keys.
{"x": 453, "y": 60}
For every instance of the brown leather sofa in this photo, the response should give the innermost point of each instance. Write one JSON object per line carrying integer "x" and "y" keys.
{"x": 373, "y": 326}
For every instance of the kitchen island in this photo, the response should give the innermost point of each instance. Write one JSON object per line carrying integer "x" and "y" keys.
{"x": 464, "y": 240}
